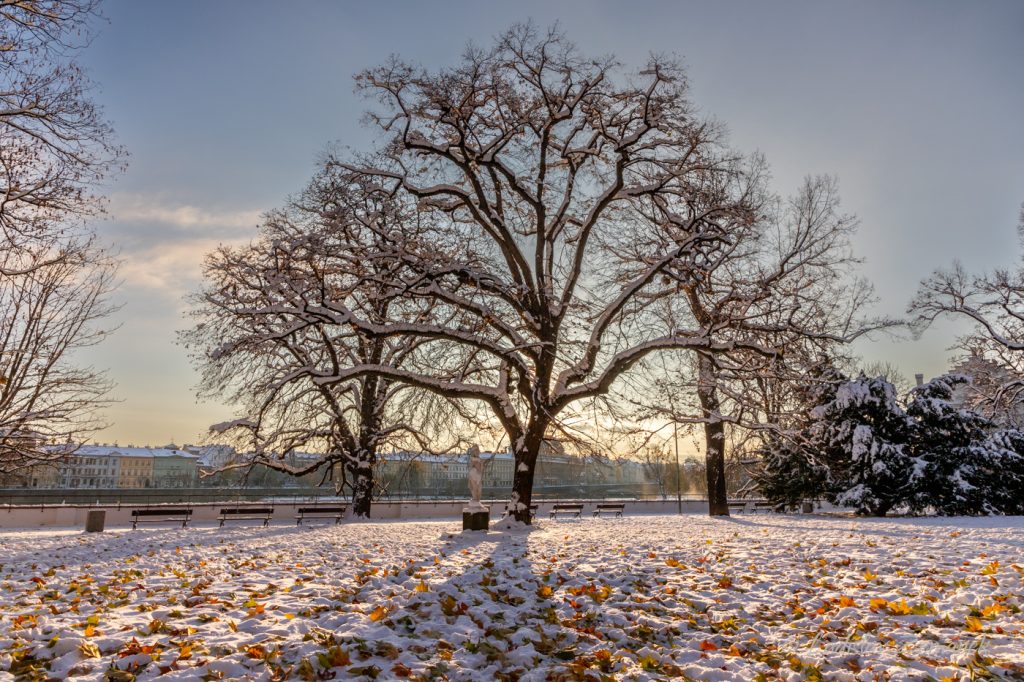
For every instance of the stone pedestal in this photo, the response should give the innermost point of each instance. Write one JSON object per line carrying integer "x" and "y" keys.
{"x": 94, "y": 521}
{"x": 476, "y": 518}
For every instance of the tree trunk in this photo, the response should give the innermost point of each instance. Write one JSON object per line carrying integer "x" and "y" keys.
{"x": 361, "y": 471}
{"x": 362, "y": 491}
{"x": 525, "y": 463}
{"x": 714, "y": 436}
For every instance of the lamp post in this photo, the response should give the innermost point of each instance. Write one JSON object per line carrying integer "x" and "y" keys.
{"x": 679, "y": 478}
{"x": 675, "y": 439}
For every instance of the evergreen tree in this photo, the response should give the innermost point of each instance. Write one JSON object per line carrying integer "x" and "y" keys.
{"x": 956, "y": 462}
{"x": 863, "y": 434}
{"x": 860, "y": 449}
{"x": 789, "y": 471}
{"x": 1006, "y": 471}
{"x": 792, "y": 469}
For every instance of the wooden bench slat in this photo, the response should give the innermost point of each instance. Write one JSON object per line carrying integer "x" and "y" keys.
{"x": 750, "y": 506}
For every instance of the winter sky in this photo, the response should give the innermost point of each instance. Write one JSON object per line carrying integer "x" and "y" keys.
{"x": 917, "y": 107}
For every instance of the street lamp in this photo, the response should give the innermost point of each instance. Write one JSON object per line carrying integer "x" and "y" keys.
{"x": 675, "y": 439}
{"x": 679, "y": 478}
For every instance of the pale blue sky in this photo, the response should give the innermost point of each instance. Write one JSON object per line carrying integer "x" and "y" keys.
{"x": 917, "y": 107}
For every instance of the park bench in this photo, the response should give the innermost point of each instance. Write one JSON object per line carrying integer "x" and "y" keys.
{"x": 182, "y": 514}
{"x": 573, "y": 508}
{"x": 750, "y": 506}
{"x": 320, "y": 514}
{"x": 741, "y": 506}
{"x": 246, "y": 514}
{"x": 613, "y": 508}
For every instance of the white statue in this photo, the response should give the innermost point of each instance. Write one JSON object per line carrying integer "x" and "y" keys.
{"x": 476, "y": 478}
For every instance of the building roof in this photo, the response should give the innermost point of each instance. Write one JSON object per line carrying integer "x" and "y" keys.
{"x": 118, "y": 451}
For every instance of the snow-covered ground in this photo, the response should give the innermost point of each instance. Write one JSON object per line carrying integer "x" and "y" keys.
{"x": 650, "y": 597}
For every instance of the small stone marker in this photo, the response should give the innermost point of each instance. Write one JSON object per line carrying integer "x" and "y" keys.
{"x": 94, "y": 521}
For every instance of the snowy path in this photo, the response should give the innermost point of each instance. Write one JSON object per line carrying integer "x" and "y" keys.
{"x": 761, "y": 597}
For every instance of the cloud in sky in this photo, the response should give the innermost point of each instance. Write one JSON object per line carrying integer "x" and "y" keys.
{"x": 172, "y": 269}
{"x": 162, "y": 244}
{"x": 130, "y": 208}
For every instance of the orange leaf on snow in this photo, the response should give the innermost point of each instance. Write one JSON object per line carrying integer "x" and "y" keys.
{"x": 992, "y": 610}
{"x": 899, "y": 608}
{"x": 256, "y": 651}
{"x": 708, "y": 645}
{"x": 878, "y": 603}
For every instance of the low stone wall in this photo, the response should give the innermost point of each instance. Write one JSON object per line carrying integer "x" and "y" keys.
{"x": 73, "y": 516}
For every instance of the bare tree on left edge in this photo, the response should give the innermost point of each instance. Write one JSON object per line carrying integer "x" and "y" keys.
{"x": 55, "y": 149}
{"x": 48, "y": 404}
{"x": 55, "y": 145}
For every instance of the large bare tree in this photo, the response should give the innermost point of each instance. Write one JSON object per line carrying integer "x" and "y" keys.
{"x": 523, "y": 162}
